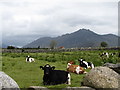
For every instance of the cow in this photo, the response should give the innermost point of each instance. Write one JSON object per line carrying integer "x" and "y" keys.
{"x": 75, "y": 68}
{"x": 29, "y": 59}
{"x": 112, "y": 54}
{"x": 106, "y": 54}
{"x": 54, "y": 77}
{"x": 85, "y": 64}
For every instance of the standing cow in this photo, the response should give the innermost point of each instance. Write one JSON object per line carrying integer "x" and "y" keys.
{"x": 86, "y": 64}
{"x": 29, "y": 59}
{"x": 54, "y": 77}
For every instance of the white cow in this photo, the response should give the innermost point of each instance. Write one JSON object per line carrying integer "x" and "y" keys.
{"x": 29, "y": 59}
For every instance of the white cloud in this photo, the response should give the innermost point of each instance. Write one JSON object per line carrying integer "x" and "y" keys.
{"x": 38, "y": 18}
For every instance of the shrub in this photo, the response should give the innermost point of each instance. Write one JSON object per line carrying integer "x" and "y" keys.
{"x": 10, "y": 47}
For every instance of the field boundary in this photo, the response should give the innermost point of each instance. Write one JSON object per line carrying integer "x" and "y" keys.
{"x": 39, "y": 50}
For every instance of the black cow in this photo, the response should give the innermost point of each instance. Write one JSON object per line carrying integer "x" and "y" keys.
{"x": 85, "y": 64}
{"x": 54, "y": 77}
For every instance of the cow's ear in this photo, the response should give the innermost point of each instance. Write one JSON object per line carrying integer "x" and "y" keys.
{"x": 53, "y": 67}
{"x": 42, "y": 67}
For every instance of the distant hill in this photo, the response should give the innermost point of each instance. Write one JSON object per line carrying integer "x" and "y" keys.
{"x": 80, "y": 38}
{"x": 4, "y": 45}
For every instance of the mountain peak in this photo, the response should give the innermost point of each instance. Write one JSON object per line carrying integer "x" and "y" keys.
{"x": 85, "y": 31}
{"x": 81, "y": 38}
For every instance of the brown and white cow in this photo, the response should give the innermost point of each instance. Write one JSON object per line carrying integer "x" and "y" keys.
{"x": 75, "y": 68}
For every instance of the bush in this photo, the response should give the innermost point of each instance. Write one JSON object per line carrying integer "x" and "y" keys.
{"x": 10, "y": 47}
{"x": 103, "y": 44}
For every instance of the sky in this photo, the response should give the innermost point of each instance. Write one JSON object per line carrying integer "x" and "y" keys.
{"x": 23, "y": 21}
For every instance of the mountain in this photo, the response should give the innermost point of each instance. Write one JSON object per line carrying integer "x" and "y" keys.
{"x": 80, "y": 38}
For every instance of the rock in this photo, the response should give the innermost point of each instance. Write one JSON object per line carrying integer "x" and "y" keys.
{"x": 78, "y": 88}
{"x": 115, "y": 67}
{"x": 102, "y": 77}
{"x": 7, "y": 82}
{"x": 37, "y": 88}
{"x": 67, "y": 88}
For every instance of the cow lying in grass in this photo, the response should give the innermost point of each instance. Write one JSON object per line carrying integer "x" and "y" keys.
{"x": 86, "y": 64}
{"x": 104, "y": 54}
{"x": 75, "y": 68}
{"x": 54, "y": 77}
{"x": 29, "y": 59}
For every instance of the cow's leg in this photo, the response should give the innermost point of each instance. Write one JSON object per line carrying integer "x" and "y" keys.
{"x": 69, "y": 79}
{"x": 85, "y": 72}
{"x": 92, "y": 66}
{"x": 77, "y": 70}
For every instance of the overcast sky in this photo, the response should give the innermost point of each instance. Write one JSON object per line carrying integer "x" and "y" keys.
{"x": 23, "y": 21}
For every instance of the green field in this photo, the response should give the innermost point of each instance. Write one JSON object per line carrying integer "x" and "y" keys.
{"x": 29, "y": 74}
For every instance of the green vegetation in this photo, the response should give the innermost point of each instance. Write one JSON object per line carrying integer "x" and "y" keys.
{"x": 103, "y": 44}
{"x": 10, "y": 47}
{"x": 29, "y": 74}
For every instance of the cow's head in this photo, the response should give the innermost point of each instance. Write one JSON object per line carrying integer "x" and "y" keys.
{"x": 81, "y": 60}
{"x": 47, "y": 68}
{"x": 28, "y": 56}
{"x": 71, "y": 62}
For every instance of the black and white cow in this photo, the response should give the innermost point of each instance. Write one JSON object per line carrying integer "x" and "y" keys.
{"x": 85, "y": 64}
{"x": 106, "y": 54}
{"x": 29, "y": 59}
{"x": 112, "y": 54}
{"x": 54, "y": 77}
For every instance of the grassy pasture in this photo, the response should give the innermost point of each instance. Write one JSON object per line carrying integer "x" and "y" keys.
{"x": 29, "y": 74}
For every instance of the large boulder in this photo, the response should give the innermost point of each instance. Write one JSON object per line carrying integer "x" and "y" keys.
{"x": 115, "y": 67}
{"x": 102, "y": 77}
{"x": 7, "y": 82}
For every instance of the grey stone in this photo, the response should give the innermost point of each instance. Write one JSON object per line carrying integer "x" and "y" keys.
{"x": 78, "y": 88}
{"x": 67, "y": 88}
{"x": 37, "y": 88}
{"x": 6, "y": 82}
{"x": 102, "y": 77}
{"x": 115, "y": 67}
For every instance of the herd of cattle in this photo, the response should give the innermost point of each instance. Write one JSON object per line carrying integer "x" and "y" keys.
{"x": 54, "y": 77}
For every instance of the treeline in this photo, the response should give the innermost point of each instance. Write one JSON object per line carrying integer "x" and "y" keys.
{"x": 36, "y": 50}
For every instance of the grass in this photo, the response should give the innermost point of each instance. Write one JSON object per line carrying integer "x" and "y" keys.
{"x": 29, "y": 74}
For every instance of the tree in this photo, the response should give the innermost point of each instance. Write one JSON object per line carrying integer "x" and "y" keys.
{"x": 53, "y": 44}
{"x": 10, "y": 47}
{"x": 38, "y": 46}
{"x": 103, "y": 44}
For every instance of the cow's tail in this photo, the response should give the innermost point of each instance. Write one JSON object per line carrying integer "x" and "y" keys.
{"x": 69, "y": 79}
